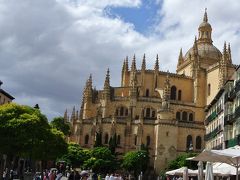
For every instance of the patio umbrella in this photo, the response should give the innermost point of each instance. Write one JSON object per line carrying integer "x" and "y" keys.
{"x": 200, "y": 170}
{"x": 180, "y": 171}
{"x": 230, "y": 156}
{"x": 185, "y": 173}
{"x": 209, "y": 171}
{"x": 223, "y": 169}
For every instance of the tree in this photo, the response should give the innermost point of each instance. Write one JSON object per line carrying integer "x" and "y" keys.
{"x": 75, "y": 155}
{"x": 181, "y": 161}
{"x": 25, "y": 132}
{"x": 101, "y": 160}
{"x": 135, "y": 161}
{"x": 60, "y": 124}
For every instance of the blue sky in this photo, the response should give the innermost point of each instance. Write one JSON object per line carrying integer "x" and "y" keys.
{"x": 144, "y": 17}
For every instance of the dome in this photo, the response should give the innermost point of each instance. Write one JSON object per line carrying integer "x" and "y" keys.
{"x": 206, "y": 51}
{"x": 204, "y": 25}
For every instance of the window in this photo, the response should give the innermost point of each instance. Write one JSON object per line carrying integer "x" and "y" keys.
{"x": 179, "y": 95}
{"x": 190, "y": 118}
{"x": 184, "y": 116}
{"x": 148, "y": 112}
{"x": 106, "y": 139}
{"x": 86, "y": 139}
{"x": 121, "y": 111}
{"x": 189, "y": 144}
{"x": 126, "y": 112}
{"x": 173, "y": 93}
{"x": 147, "y": 92}
{"x": 153, "y": 114}
{"x": 178, "y": 116}
{"x": 148, "y": 140}
{"x": 198, "y": 142}
{"x": 209, "y": 89}
{"x": 118, "y": 139}
{"x": 135, "y": 140}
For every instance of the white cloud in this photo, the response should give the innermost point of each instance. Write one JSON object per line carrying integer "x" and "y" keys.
{"x": 49, "y": 47}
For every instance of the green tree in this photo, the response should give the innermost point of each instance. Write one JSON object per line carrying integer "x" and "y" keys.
{"x": 181, "y": 161}
{"x": 25, "y": 132}
{"x": 101, "y": 160}
{"x": 60, "y": 124}
{"x": 75, "y": 155}
{"x": 135, "y": 161}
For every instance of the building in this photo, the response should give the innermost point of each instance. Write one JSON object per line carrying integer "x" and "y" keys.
{"x": 163, "y": 110}
{"x": 232, "y": 111}
{"x": 4, "y": 96}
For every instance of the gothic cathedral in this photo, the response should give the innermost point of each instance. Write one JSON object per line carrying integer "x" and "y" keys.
{"x": 163, "y": 110}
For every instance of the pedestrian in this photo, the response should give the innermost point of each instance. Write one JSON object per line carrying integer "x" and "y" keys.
{"x": 4, "y": 175}
{"x": 107, "y": 177}
{"x": 111, "y": 177}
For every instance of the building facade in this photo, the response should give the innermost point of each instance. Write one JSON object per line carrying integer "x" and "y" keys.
{"x": 163, "y": 110}
{"x": 4, "y": 96}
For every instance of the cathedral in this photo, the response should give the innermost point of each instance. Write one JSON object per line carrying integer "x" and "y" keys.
{"x": 163, "y": 110}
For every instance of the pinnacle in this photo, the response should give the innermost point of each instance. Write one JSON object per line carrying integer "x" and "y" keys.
{"x": 205, "y": 18}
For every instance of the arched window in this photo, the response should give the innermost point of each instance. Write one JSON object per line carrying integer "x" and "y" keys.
{"x": 118, "y": 139}
{"x": 178, "y": 116}
{"x": 148, "y": 140}
{"x": 198, "y": 142}
{"x": 106, "y": 139}
{"x": 121, "y": 111}
{"x": 190, "y": 118}
{"x": 86, "y": 139}
{"x": 173, "y": 93}
{"x": 209, "y": 89}
{"x": 126, "y": 112}
{"x": 148, "y": 112}
{"x": 135, "y": 140}
{"x": 153, "y": 114}
{"x": 189, "y": 144}
{"x": 147, "y": 92}
{"x": 179, "y": 95}
{"x": 184, "y": 116}
{"x": 117, "y": 112}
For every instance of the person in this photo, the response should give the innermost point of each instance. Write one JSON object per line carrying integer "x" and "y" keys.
{"x": 107, "y": 177}
{"x": 4, "y": 175}
{"x": 111, "y": 177}
{"x": 77, "y": 175}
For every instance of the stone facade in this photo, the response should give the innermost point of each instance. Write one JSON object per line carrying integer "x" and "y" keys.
{"x": 4, "y": 96}
{"x": 162, "y": 110}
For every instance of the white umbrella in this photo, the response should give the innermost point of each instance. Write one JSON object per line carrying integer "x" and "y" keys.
{"x": 200, "y": 170}
{"x": 209, "y": 171}
{"x": 185, "y": 173}
{"x": 230, "y": 156}
{"x": 180, "y": 172}
{"x": 223, "y": 169}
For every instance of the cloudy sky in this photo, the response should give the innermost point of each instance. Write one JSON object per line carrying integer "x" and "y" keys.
{"x": 48, "y": 48}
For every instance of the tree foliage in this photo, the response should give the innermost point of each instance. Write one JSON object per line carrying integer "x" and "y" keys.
{"x": 181, "y": 161}
{"x": 25, "y": 132}
{"x": 135, "y": 161}
{"x": 113, "y": 143}
{"x": 101, "y": 160}
{"x": 75, "y": 155}
{"x": 60, "y": 124}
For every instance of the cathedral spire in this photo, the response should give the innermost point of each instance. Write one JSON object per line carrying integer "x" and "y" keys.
{"x": 180, "y": 57}
{"x": 229, "y": 54}
{"x": 107, "y": 81}
{"x": 126, "y": 63}
{"x": 205, "y": 17}
{"x": 156, "y": 67}
{"x": 73, "y": 114}
{"x": 124, "y": 66}
{"x": 65, "y": 117}
{"x": 133, "y": 66}
{"x": 195, "y": 47}
{"x": 144, "y": 63}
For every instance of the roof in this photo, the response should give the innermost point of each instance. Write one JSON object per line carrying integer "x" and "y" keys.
{"x": 6, "y": 94}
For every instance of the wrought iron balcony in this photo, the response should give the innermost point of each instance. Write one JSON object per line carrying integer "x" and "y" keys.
{"x": 218, "y": 147}
{"x": 211, "y": 117}
{"x": 237, "y": 86}
{"x": 212, "y": 134}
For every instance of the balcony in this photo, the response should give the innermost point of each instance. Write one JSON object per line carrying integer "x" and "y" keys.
{"x": 228, "y": 119}
{"x": 218, "y": 147}
{"x": 229, "y": 96}
{"x": 211, "y": 117}
{"x": 212, "y": 134}
{"x": 237, "y": 86}
{"x": 237, "y": 112}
